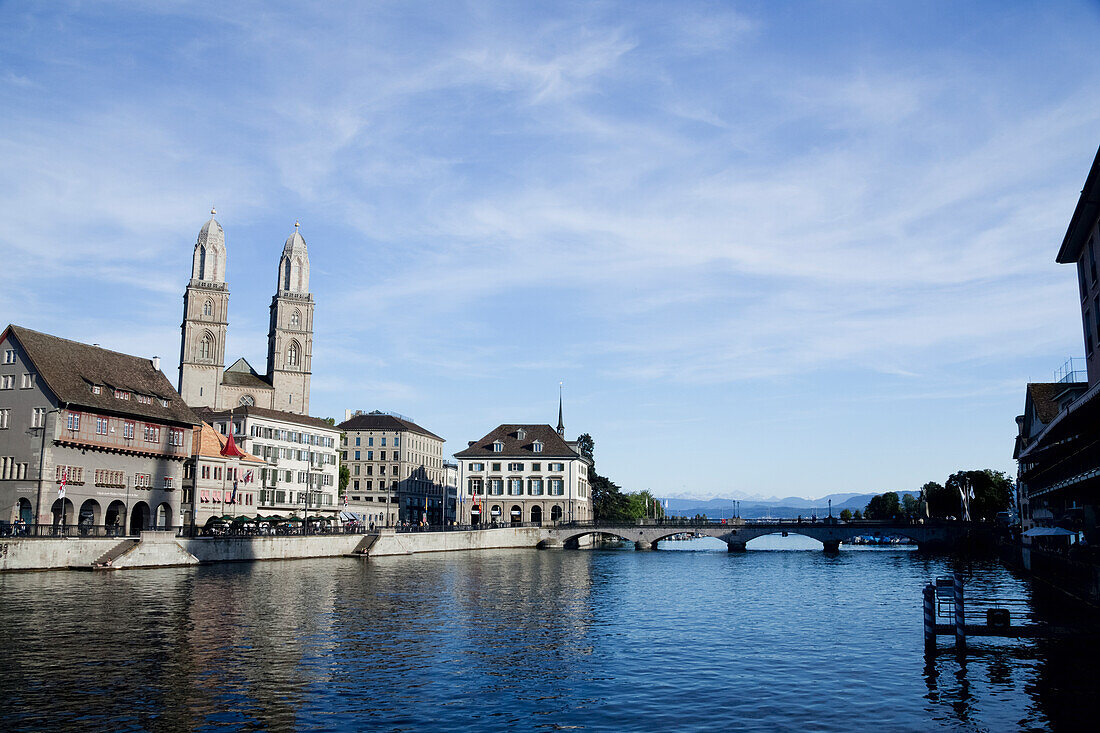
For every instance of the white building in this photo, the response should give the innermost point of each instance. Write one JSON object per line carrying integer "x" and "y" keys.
{"x": 523, "y": 473}
{"x": 302, "y": 471}
{"x": 219, "y": 479}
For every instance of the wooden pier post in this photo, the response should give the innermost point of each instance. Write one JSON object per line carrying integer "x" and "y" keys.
{"x": 960, "y": 616}
{"x": 930, "y": 616}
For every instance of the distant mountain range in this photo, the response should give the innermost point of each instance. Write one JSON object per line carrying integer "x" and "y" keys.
{"x": 791, "y": 506}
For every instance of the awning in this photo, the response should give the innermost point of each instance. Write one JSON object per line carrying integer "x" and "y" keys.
{"x": 352, "y": 516}
{"x": 1048, "y": 532}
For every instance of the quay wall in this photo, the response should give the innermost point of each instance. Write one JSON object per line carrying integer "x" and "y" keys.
{"x": 164, "y": 549}
{"x": 390, "y": 543}
{"x": 23, "y": 553}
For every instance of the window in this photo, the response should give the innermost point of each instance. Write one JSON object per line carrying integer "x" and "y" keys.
{"x": 246, "y": 400}
{"x": 383, "y": 441}
{"x": 121, "y": 394}
{"x": 152, "y": 433}
{"x": 515, "y": 466}
{"x": 537, "y": 447}
{"x": 556, "y": 487}
{"x": 357, "y": 439}
{"x": 295, "y": 319}
{"x": 496, "y": 486}
{"x": 164, "y": 403}
{"x": 536, "y": 466}
{"x": 557, "y": 466}
{"x": 96, "y": 389}
{"x": 7, "y": 381}
{"x": 28, "y": 381}
{"x": 515, "y": 486}
{"x": 208, "y": 308}
{"x": 496, "y": 466}
{"x": 206, "y": 346}
{"x": 534, "y": 487}
{"x": 71, "y": 474}
{"x": 73, "y": 421}
{"x": 175, "y": 436}
{"x": 474, "y": 486}
{"x": 498, "y": 447}
{"x": 5, "y": 418}
{"x": 143, "y": 399}
{"x": 105, "y": 477}
{"x": 142, "y": 480}
{"x": 521, "y": 433}
{"x": 206, "y": 471}
{"x": 292, "y": 355}
{"x": 477, "y": 466}
{"x": 128, "y": 429}
{"x": 9, "y": 356}
{"x": 168, "y": 483}
{"x": 370, "y": 441}
{"x": 100, "y": 425}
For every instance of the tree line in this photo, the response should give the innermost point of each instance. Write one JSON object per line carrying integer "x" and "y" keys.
{"x": 988, "y": 492}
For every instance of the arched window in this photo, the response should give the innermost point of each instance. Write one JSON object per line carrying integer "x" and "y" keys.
{"x": 206, "y": 346}
{"x": 286, "y": 275}
{"x": 292, "y": 355}
{"x": 295, "y": 318}
{"x": 246, "y": 400}
{"x": 208, "y": 308}
{"x": 202, "y": 263}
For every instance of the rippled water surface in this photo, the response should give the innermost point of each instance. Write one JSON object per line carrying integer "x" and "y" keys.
{"x": 688, "y": 639}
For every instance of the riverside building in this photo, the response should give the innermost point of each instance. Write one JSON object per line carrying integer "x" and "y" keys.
{"x": 301, "y": 470}
{"x": 220, "y": 479}
{"x": 1058, "y": 441}
{"x": 107, "y": 426}
{"x": 523, "y": 473}
{"x": 396, "y": 469}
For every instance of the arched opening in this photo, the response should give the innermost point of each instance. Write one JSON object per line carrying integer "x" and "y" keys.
{"x": 555, "y": 513}
{"x": 536, "y": 514}
{"x": 286, "y": 274}
{"x": 164, "y": 516}
{"x": 292, "y": 354}
{"x": 298, "y": 273}
{"x": 139, "y": 518}
{"x": 475, "y": 516}
{"x": 25, "y": 512}
{"x": 295, "y": 318}
{"x": 58, "y": 517}
{"x": 206, "y": 346}
{"x": 115, "y": 517}
{"x": 516, "y": 514}
{"x": 208, "y": 307}
{"x": 202, "y": 262}
{"x": 89, "y": 515}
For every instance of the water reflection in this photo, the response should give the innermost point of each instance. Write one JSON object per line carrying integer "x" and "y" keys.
{"x": 504, "y": 640}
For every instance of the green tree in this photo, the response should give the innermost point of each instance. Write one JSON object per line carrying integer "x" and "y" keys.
{"x": 942, "y": 501}
{"x": 989, "y": 491}
{"x": 857, "y": 514}
{"x": 846, "y": 515}
{"x": 345, "y": 477}
{"x": 883, "y": 506}
{"x": 608, "y": 502}
{"x": 910, "y": 507}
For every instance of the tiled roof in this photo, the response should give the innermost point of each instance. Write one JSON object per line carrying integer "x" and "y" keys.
{"x": 209, "y": 442}
{"x": 69, "y": 369}
{"x": 553, "y": 445}
{"x": 1042, "y": 396}
{"x": 382, "y": 421}
{"x": 314, "y": 422}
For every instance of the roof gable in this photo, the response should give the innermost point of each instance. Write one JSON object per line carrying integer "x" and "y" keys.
{"x": 553, "y": 445}
{"x": 384, "y": 421}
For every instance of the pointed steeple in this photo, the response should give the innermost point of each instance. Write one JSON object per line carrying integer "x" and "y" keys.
{"x": 561, "y": 424}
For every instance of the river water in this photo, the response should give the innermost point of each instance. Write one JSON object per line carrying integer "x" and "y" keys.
{"x": 691, "y": 638}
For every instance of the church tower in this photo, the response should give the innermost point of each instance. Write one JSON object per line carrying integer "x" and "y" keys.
{"x": 290, "y": 337}
{"x": 205, "y": 319}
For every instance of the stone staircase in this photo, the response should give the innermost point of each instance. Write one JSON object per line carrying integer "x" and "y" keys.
{"x": 106, "y": 560}
{"x": 363, "y": 548}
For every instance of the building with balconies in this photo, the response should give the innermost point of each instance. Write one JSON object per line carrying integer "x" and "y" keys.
{"x": 88, "y": 436}
{"x": 301, "y": 471}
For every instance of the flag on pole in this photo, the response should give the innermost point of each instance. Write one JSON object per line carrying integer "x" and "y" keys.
{"x": 345, "y": 501}
{"x": 233, "y": 498}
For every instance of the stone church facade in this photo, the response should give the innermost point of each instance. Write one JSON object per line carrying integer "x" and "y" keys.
{"x": 204, "y": 380}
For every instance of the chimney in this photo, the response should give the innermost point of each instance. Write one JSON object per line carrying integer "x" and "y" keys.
{"x": 347, "y": 415}
{"x": 156, "y": 363}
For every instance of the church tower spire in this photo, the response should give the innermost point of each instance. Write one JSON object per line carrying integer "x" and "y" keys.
{"x": 205, "y": 319}
{"x": 290, "y": 336}
{"x": 561, "y": 425}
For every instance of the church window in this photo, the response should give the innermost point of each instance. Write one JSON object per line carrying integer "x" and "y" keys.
{"x": 295, "y": 319}
{"x": 208, "y": 308}
{"x": 292, "y": 355}
{"x": 246, "y": 400}
{"x": 202, "y": 263}
{"x": 205, "y": 347}
{"x": 286, "y": 275}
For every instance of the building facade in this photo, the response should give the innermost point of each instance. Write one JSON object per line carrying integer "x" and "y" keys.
{"x": 396, "y": 469}
{"x": 1058, "y": 440}
{"x": 523, "y": 473}
{"x": 301, "y": 472}
{"x": 107, "y": 427}
{"x": 203, "y": 380}
{"x": 219, "y": 479}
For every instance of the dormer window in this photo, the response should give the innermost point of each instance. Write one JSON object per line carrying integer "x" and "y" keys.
{"x": 96, "y": 389}
{"x": 521, "y": 433}
{"x": 121, "y": 394}
{"x": 536, "y": 447}
{"x": 498, "y": 447}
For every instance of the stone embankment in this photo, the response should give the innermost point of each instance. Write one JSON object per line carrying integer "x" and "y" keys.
{"x": 165, "y": 549}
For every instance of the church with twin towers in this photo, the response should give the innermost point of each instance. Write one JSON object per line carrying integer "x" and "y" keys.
{"x": 204, "y": 380}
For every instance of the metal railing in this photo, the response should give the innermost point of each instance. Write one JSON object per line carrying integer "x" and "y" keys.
{"x": 18, "y": 529}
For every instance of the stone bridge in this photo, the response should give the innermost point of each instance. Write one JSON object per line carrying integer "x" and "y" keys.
{"x": 736, "y": 533}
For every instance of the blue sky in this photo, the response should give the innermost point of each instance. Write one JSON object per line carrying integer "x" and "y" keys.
{"x": 771, "y": 249}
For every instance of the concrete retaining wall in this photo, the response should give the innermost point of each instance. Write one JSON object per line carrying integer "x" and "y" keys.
{"x": 235, "y": 549}
{"x": 389, "y": 543}
{"x": 24, "y": 553}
